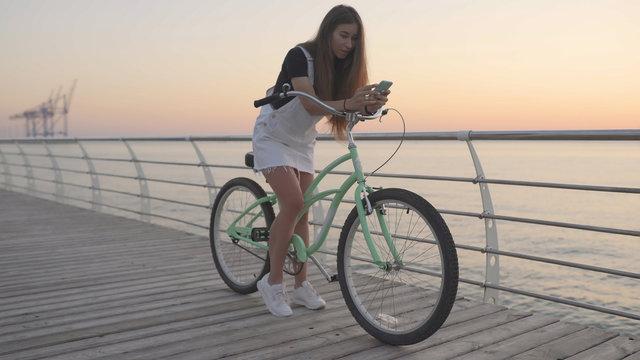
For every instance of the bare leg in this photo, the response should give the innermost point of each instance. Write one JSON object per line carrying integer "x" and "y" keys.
{"x": 285, "y": 183}
{"x": 302, "y": 227}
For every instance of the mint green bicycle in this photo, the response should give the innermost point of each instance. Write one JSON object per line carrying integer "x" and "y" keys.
{"x": 397, "y": 262}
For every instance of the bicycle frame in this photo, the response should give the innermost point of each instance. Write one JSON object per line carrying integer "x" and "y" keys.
{"x": 357, "y": 176}
{"x": 302, "y": 252}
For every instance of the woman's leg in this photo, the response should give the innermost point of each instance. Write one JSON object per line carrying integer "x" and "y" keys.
{"x": 304, "y": 294}
{"x": 302, "y": 227}
{"x": 284, "y": 182}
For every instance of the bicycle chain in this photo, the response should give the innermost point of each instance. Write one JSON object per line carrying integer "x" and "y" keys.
{"x": 296, "y": 265}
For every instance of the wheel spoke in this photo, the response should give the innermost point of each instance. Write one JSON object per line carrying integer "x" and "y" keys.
{"x": 240, "y": 264}
{"x": 398, "y": 304}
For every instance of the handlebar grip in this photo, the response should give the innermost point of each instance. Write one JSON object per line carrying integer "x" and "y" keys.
{"x": 267, "y": 100}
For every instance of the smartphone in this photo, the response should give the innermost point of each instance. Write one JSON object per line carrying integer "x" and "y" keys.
{"x": 383, "y": 85}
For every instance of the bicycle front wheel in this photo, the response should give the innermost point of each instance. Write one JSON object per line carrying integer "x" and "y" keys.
{"x": 408, "y": 297}
{"x": 239, "y": 263}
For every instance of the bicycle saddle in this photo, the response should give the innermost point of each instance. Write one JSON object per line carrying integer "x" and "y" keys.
{"x": 248, "y": 159}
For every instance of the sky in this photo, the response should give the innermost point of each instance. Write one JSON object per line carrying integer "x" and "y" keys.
{"x": 194, "y": 67}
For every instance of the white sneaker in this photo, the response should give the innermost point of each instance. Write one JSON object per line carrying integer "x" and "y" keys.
{"x": 306, "y": 295}
{"x": 274, "y": 297}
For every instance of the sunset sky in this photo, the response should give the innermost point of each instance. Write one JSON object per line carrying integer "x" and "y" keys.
{"x": 173, "y": 68}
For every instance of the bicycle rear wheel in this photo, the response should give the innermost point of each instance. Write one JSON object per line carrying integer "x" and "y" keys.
{"x": 239, "y": 263}
{"x": 409, "y": 298}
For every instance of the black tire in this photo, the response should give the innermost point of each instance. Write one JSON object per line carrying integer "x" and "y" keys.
{"x": 239, "y": 264}
{"x": 407, "y": 301}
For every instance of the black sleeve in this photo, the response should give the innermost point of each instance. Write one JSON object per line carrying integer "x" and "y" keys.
{"x": 295, "y": 63}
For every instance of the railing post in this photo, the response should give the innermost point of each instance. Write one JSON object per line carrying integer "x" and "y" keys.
{"x": 96, "y": 194}
{"x": 492, "y": 266}
{"x": 56, "y": 172}
{"x": 207, "y": 172}
{"x": 7, "y": 171}
{"x": 31, "y": 183}
{"x": 145, "y": 202}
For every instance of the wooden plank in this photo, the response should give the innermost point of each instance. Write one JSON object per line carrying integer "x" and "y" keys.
{"x": 445, "y": 341}
{"x": 123, "y": 341}
{"x": 264, "y": 337}
{"x": 617, "y": 348}
{"x": 567, "y": 345}
{"x": 76, "y": 284}
{"x": 219, "y": 334}
{"x": 485, "y": 337}
{"x": 324, "y": 342}
{"x": 507, "y": 348}
{"x": 64, "y": 312}
{"x": 466, "y": 317}
{"x": 167, "y": 337}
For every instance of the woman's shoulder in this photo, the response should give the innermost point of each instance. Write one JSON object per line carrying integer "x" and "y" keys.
{"x": 295, "y": 54}
{"x": 295, "y": 63}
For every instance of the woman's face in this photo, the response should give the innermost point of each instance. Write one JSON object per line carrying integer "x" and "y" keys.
{"x": 344, "y": 39}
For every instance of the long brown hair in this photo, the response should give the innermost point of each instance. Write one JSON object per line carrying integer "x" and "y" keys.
{"x": 331, "y": 82}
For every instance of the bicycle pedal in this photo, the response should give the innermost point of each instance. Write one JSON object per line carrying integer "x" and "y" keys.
{"x": 334, "y": 278}
{"x": 260, "y": 234}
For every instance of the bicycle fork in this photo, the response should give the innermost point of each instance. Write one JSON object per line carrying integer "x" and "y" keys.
{"x": 380, "y": 212}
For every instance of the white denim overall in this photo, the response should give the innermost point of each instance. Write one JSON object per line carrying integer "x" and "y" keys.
{"x": 286, "y": 136}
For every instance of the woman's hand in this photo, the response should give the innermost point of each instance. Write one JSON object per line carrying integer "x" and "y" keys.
{"x": 365, "y": 100}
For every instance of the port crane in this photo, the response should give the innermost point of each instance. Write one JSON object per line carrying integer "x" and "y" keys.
{"x": 41, "y": 120}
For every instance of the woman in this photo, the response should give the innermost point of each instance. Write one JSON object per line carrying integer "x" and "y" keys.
{"x": 332, "y": 67}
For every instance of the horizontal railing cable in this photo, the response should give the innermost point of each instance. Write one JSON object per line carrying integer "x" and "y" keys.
{"x": 617, "y": 189}
{"x": 443, "y": 211}
{"x": 565, "y": 301}
{"x": 120, "y": 192}
{"x": 563, "y": 225}
{"x": 514, "y": 254}
{"x": 116, "y": 207}
{"x": 579, "y": 135}
{"x": 539, "y": 295}
{"x": 150, "y": 214}
{"x": 550, "y": 298}
{"x": 563, "y": 263}
{"x": 154, "y": 198}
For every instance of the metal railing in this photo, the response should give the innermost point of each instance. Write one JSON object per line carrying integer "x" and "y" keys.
{"x": 26, "y": 163}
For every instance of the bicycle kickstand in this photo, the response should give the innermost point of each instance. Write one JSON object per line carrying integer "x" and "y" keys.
{"x": 330, "y": 278}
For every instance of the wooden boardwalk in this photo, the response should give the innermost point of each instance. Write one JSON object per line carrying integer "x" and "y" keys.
{"x": 76, "y": 284}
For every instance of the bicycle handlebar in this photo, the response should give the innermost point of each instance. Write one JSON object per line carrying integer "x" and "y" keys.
{"x": 285, "y": 93}
{"x": 267, "y": 100}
